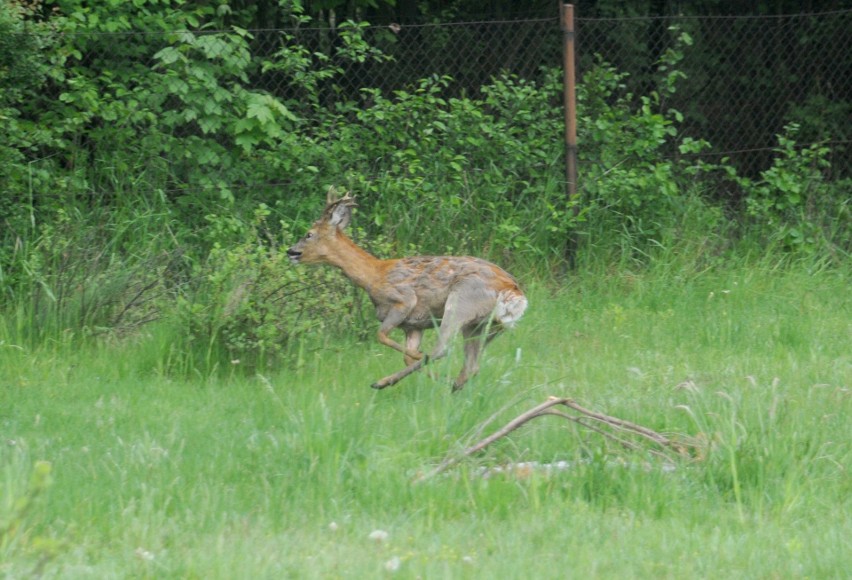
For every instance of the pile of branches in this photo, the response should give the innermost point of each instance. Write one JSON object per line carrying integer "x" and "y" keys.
{"x": 629, "y": 435}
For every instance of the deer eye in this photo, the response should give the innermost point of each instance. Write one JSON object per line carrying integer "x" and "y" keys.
{"x": 309, "y": 235}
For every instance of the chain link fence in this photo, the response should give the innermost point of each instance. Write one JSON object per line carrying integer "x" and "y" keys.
{"x": 746, "y": 77}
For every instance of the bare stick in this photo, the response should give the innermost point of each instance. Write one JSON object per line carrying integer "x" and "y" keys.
{"x": 508, "y": 428}
{"x": 586, "y": 415}
{"x": 623, "y": 442}
{"x": 620, "y": 423}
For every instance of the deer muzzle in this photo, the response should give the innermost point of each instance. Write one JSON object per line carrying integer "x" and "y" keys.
{"x": 294, "y": 255}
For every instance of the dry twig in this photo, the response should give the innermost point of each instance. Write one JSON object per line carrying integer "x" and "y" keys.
{"x": 605, "y": 425}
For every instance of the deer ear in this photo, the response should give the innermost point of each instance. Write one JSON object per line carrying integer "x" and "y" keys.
{"x": 341, "y": 215}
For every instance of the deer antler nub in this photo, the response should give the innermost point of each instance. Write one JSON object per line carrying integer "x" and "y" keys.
{"x": 331, "y": 197}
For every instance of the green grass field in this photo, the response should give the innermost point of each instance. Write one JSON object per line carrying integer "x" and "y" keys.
{"x": 295, "y": 473}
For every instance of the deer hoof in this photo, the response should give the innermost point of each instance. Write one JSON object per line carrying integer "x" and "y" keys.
{"x": 459, "y": 384}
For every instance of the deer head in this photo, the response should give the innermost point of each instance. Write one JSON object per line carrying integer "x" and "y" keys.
{"x": 315, "y": 245}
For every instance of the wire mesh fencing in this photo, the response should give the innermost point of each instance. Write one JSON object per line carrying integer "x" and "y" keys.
{"x": 745, "y": 77}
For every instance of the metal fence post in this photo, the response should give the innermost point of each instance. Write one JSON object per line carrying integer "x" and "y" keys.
{"x": 566, "y": 14}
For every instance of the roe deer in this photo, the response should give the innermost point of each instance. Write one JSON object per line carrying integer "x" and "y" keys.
{"x": 463, "y": 294}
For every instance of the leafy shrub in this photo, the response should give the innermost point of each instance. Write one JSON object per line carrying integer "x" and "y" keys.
{"x": 22, "y": 73}
{"x": 793, "y": 204}
{"x": 250, "y": 304}
{"x": 632, "y": 177}
{"x": 460, "y": 174}
{"x": 820, "y": 118}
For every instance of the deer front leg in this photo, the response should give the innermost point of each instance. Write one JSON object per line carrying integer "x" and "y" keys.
{"x": 412, "y": 337}
{"x": 410, "y": 354}
{"x": 440, "y": 351}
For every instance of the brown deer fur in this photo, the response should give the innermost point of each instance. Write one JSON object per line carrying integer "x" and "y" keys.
{"x": 459, "y": 294}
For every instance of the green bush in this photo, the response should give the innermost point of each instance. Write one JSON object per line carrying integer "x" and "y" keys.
{"x": 634, "y": 180}
{"x": 249, "y": 305}
{"x": 22, "y": 73}
{"x": 794, "y": 205}
{"x": 461, "y": 175}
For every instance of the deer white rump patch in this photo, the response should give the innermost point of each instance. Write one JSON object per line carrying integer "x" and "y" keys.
{"x": 510, "y": 307}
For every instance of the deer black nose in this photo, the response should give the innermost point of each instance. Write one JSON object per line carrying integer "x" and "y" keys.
{"x": 294, "y": 255}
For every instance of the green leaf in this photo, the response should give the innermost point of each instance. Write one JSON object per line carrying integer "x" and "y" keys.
{"x": 168, "y": 55}
{"x": 247, "y": 141}
{"x": 261, "y": 112}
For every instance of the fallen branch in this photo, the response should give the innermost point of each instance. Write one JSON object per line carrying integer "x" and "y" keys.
{"x": 605, "y": 425}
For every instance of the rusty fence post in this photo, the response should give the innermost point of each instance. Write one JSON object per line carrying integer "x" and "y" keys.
{"x": 566, "y": 19}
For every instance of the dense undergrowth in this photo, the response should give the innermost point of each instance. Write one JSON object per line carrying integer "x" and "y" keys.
{"x": 176, "y": 216}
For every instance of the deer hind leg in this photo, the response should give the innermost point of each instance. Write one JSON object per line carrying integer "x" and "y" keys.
{"x": 476, "y": 337}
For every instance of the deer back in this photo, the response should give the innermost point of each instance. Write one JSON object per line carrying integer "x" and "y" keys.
{"x": 425, "y": 283}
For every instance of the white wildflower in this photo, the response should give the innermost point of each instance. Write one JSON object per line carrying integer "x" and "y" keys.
{"x": 393, "y": 564}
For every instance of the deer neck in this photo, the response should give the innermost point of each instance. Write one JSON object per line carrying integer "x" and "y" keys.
{"x": 357, "y": 264}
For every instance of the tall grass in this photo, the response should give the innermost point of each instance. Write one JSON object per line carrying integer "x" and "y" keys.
{"x": 288, "y": 472}
{"x": 89, "y": 271}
